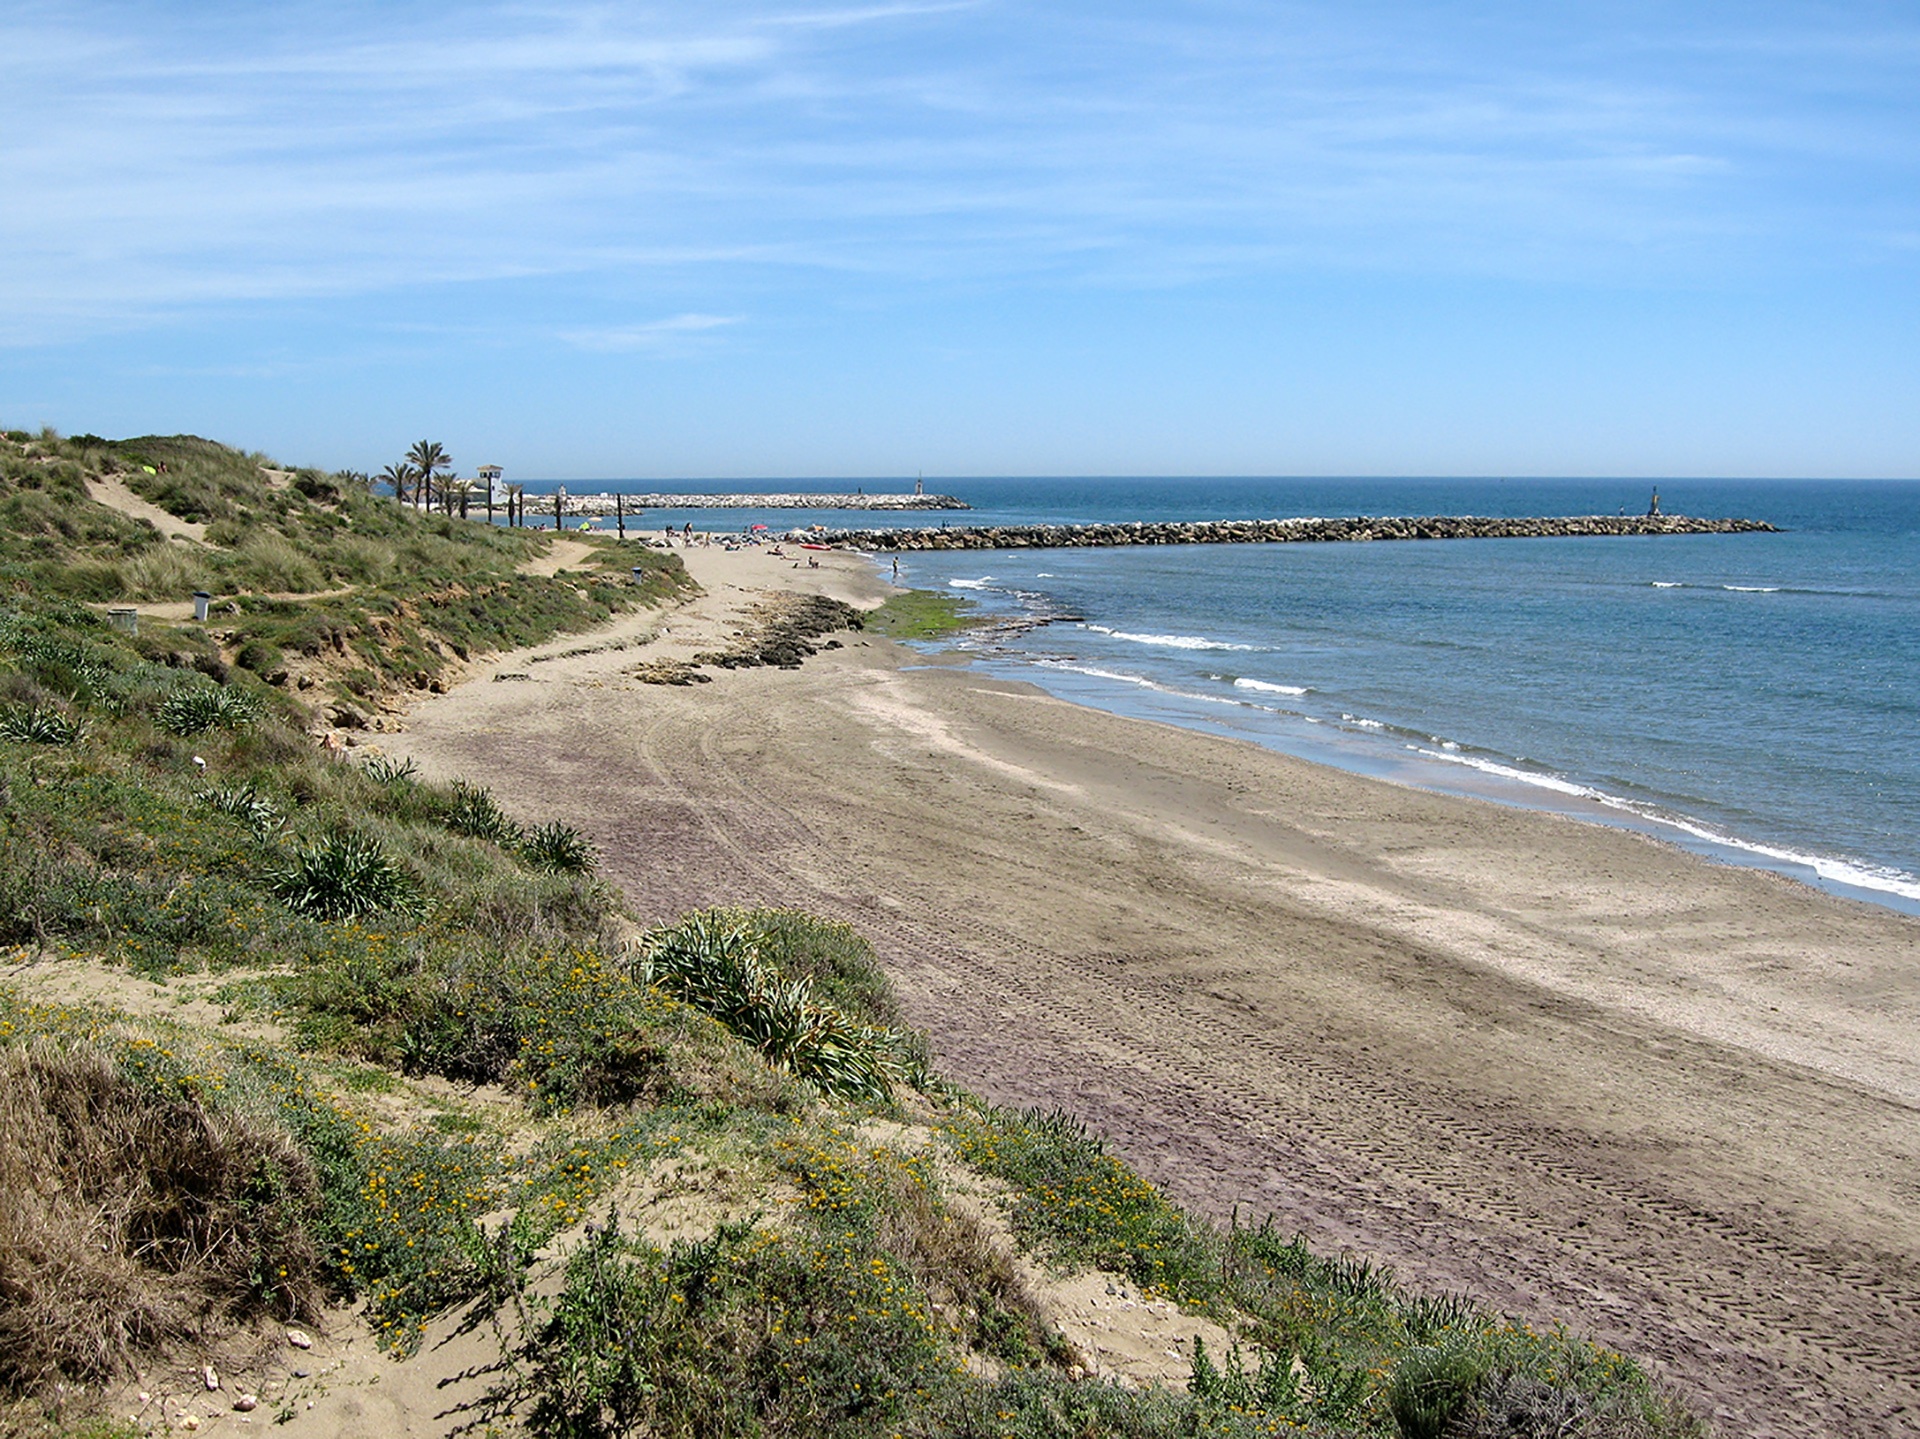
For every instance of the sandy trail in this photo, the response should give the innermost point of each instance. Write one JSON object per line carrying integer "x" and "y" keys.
{"x": 1574, "y": 1071}
{"x": 113, "y": 492}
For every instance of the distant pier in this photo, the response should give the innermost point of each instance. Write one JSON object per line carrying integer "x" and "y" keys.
{"x": 1268, "y": 532}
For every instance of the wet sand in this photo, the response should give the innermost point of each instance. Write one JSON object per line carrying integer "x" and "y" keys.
{"x": 1575, "y": 1071}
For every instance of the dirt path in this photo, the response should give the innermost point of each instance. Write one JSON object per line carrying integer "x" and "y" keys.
{"x": 1577, "y": 1073}
{"x": 114, "y": 494}
{"x": 559, "y": 555}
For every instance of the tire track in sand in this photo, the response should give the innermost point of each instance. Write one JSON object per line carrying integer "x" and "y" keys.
{"x": 1775, "y": 1337}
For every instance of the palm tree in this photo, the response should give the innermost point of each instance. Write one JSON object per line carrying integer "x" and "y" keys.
{"x": 426, "y": 457}
{"x": 462, "y": 493}
{"x": 399, "y": 476}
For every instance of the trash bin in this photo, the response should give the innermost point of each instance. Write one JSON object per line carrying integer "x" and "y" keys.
{"x": 125, "y": 619}
{"x": 201, "y": 599}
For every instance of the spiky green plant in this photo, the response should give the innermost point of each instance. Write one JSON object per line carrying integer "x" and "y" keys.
{"x": 1431, "y": 1386}
{"x": 33, "y": 724}
{"x": 202, "y": 707}
{"x": 711, "y": 961}
{"x": 472, "y": 810}
{"x": 383, "y": 770}
{"x": 245, "y": 803}
{"x": 347, "y": 875}
{"x": 560, "y": 848}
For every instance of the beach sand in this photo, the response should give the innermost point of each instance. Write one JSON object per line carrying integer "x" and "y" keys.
{"x": 1569, "y": 1069}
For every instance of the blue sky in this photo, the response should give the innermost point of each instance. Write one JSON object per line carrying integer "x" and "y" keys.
{"x": 762, "y": 239}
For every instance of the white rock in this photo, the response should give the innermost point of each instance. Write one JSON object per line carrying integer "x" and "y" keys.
{"x": 298, "y": 1339}
{"x": 212, "y": 1379}
{"x": 246, "y": 1403}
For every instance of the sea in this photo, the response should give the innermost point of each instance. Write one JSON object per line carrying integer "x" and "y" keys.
{"x": 1754, "y": 698}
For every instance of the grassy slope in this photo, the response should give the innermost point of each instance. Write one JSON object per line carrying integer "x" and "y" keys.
{"x": 370, "y": 931}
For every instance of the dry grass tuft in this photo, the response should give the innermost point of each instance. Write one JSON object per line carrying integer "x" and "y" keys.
{"x": 135, "y": 1217}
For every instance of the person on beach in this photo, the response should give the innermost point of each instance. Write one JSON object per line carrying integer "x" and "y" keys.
{"x": 896, "y": 569}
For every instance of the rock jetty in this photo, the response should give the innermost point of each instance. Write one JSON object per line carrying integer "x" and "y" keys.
{"x": 605, "y": 504}
{"x": 1259, "y": 532}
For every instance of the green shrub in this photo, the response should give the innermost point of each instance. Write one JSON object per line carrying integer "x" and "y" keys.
{"x": 745, "y": 1333}
{"x": 345, "y": 876}
{"x": 1085, "y": 1204}
{"x": 259, "y": 657}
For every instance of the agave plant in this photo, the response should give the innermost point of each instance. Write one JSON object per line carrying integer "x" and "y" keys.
{"x": 561, "y": 848}
{"x": 32, "y": 724}
{"x": 471, "y": 810}
{"x": 346, "y": 875}
{"x": 245, "y": 803}
{"x": 711, "y": 961}
{"x": 382, "y": 770}
{"x": 203, "y": 707}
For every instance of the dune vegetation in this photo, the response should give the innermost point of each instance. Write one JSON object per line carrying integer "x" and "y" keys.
{"x": 435, "y": 1064}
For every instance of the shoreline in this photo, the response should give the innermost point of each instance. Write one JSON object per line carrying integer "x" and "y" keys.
{"x": 1491, "y": 780}
{"x": 1581, "y": 1073}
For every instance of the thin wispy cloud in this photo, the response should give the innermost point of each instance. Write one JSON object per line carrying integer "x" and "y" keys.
{"x": 339, "y": 152}
{"x": 648, "y": 335}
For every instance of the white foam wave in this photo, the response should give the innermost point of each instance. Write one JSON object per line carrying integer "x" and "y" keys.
{"x": 1100, "y": 674}
{"x": 1507, "y": 771}
{"x": 1094, "y": 672}
{"x": 1172, "y": 642}
{"x": 980, "y": 584}
{"x": 1358, "y": 723}
{"x": 1753, "y": 589}
{"x": 1668, "y": 585}
{"x": 1271, "y": 689}
{"x": 1835, "y": 871}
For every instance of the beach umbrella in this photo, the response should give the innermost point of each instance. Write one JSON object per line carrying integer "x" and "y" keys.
{"x": 759, "y": 527}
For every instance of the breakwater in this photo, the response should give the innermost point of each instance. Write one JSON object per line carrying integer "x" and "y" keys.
{"x": 633, "y": 505}
{"x": 1296, "y": 531}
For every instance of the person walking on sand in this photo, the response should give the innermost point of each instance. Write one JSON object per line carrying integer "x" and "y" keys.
{"x": 896, "y": 569}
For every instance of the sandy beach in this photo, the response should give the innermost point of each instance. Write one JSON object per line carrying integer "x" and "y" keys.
{"x": 1577, "y": 1072}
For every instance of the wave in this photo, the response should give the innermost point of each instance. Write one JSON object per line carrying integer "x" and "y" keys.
{"x": 1172, "y": 642}
{"x": 1753, "y": 589}
{"x": 1507, "y": 771}
{"x": 984, "y": 582}
{"x": 1668, "y": 585}
{"x": 1095, "y": 672}
{"x": 1272, "y": 689}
